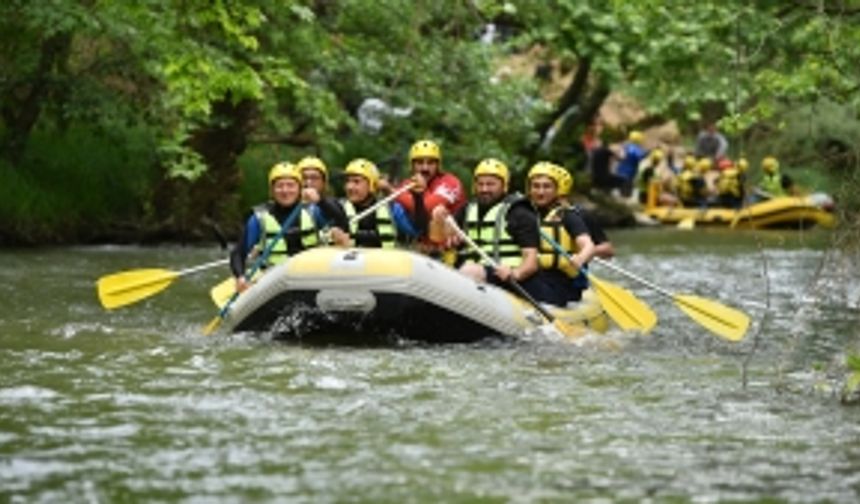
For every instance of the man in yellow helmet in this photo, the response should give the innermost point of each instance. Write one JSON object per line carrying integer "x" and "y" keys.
{"x": 436, "y": 189}
{"x": 327, "y": 211}
{"x": 504, "y": 226}
{"x": 382, "y": 228}
{"x": 547, "y": 184}
{"x": 314, "y": 173}
{"x": 266, "y": 220}
{"x": 773, "y": 183}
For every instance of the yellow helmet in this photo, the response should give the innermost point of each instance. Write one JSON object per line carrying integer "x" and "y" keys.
{"x": 363, "y": 168}
{"x": 657, "y": 155}
{"x": 769, "y": 164}
{"x": 561, "y": 177}
{"x": 636, "y": 137}
{"x": 704, "y": 164}
{"x": 689, "y": 162}
{"x": 313, "y": 163}
{"x": 284, "y": 169}
{"x": 494, "y": 167}
{"x": 743, "y": 164}
{"x": 425, "y": 149}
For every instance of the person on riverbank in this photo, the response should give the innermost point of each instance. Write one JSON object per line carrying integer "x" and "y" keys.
{"x": 504, "y": 226}
{"x": 387, "y": 225}
{"x": 263, "y": 228}
{"x": 547, "y": 185}
{"x": 710, "y": 143}
{"x": 632, "y": 153}
{"x": 437, "y": 190}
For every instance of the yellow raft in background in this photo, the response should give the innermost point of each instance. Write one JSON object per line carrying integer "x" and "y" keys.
{"x": 380, "y": 296}
{"x": 785, "y": 212}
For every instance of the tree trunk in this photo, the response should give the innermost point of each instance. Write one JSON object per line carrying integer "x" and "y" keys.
{"x": 23, "y": 106}
{"x": 197, "y": 210}
{"x": 576, "y": 107}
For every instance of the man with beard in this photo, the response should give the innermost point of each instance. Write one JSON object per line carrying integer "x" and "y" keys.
{"x": 504, "y": 226}
{"x": 434, "y": 190}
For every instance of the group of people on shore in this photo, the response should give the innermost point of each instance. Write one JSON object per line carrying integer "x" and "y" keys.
{"x": 705, "y": 178}
{"x": 537, "y": 240}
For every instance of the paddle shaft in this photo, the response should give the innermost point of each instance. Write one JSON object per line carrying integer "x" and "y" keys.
{"x": 628, "y": 311}
{"x": 728, "y": 317}
{"x": 635, "y": 277}
{"x": 489, "y": 260}
{"x": 374, "y": 207}
{"x": 264, "y": 256}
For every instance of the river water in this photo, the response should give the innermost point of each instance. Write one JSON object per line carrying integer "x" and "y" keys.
{"x": 137, "y": 405}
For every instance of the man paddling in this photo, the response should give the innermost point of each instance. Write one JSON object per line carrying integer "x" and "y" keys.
{"x": 387, "y": 225}
{"x": 264, "y": 224}
{"x": 504, "y": 226}
{"x": 548, "y": 184}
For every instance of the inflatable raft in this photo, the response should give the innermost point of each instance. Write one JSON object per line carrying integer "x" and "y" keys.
{"x": 786, "y": 212}
{"x": 378, "y": 296}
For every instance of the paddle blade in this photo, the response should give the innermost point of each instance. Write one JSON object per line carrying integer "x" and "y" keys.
{"x": 623, "y": 307}
{"x": 128, "y": 287}
{"x": 222, "y": 292}
{"x": 726, "y": 322}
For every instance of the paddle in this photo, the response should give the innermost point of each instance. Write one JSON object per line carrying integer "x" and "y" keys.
{"x": 564, "y": 328}
{"x": 728, "y": 323}
{"x": 222, "y": 292}
{"x": 622, "y": 306}
{"x": 285, "y": 226}
{"x": 127, "y": 287}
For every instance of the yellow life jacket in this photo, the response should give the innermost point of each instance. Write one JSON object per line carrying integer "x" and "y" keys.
{"x": 490, "y": 234}
{"x": 272, "y": 228}
{"x": 729, "y": 183}
{"x": 385, "y": 228}
{"x": 772, "y": 184}
{"x": 548, "y": 257}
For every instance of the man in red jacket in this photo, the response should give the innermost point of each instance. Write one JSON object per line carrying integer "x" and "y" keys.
{"x": 439, "y": 189}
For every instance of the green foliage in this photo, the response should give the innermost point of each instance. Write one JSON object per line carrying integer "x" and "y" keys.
{"x": 304, "y": 68}
{"x": 77, "y": 184}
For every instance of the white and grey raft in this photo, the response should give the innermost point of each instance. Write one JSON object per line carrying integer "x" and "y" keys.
{"x": 376, "y": 296}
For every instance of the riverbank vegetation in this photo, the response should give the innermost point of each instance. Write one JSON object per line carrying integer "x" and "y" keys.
{"x": 153, "y": 120}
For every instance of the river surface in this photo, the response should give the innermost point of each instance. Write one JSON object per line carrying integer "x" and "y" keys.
{"x": 137, "y": 405}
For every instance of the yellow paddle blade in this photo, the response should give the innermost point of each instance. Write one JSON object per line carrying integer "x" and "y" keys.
{"x": 222, "y": 292}
{"x": 623, "y": 307}
{"x": 212, "y": 325}
{"x": 687, "y": 223}
{"x": 127, "y": 287}
{"x": 720, "y": 319}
